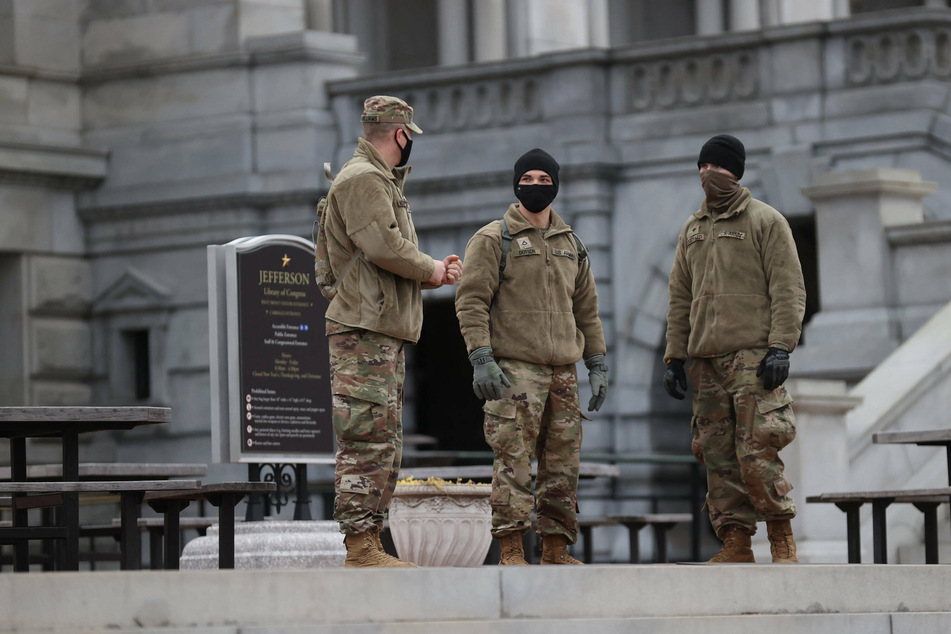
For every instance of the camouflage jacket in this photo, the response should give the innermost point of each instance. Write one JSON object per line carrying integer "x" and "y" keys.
{"x": 736, "y": 283}
{"x": 546, "y": 309}
{"x": 366, "y": 209}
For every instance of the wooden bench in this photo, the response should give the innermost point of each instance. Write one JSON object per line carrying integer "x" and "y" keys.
{"x": 27, "y": 495}
{"x": 224, "y": 495}
{"x": 660, "y": 523}
{"x": 925, "y": 500}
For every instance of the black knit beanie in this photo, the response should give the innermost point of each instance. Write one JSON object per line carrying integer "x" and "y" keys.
{"x": 536, "y": 160}
{"x": 724, "y": 151}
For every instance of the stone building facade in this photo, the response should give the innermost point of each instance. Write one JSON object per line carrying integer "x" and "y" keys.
{"x": 156, "y": 127}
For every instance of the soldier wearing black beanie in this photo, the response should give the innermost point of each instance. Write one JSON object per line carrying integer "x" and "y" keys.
{"x": 724, "y": 151}
{"x": 737, "y": 301}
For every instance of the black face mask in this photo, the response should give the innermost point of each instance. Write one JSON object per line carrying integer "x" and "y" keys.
{"x": 535, "y": 198}
{"x": 405, "y": 150}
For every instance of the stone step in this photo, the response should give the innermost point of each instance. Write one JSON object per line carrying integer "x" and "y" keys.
{"x": 602, "y": 598}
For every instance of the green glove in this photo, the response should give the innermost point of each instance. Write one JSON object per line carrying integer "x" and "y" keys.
{"x": 487, "y": 376}
{"x": 598, "y": 378}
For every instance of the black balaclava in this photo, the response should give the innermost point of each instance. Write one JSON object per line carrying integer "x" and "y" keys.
{"x": 720, "y": 189}
{"x": 535, "y": 198}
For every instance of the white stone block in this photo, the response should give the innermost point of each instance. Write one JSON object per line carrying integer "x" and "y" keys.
{"x": 49, "y": 43}
{"x": 60, "y": 284}
{"x": 24, "y": 225}
{"x": 135, "y": 39}
{"x": 177, "y": 97}
{"x": 54, "y": 104}
{"x": 14, "y": 95}
{"x": 267, "y": 17}
{"x": 61, "y": 346}
{"x": 213, "y": 29}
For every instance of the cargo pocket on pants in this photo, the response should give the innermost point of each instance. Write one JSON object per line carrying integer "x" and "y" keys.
{"x": 782, "y": 486}
{"x": 499, "y": 417}
{"x": 775, "y": 424}
{"x": 360, "y": 407}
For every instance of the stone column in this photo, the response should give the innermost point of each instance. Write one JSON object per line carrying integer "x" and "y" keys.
{"x": 856, "y": 327}
{"x": 817, "y": 461}
{"x": 798, "y": 11}
{"x": 489, "y": 25}
{"x": 744, "y": 15}
{"x": 709, "y": 17}
{"x": 453, "y": 32}
{"x": 319, "y": 15}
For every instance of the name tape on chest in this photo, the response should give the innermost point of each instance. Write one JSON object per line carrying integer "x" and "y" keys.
{"x": 694, "y": 238}
{"x": 739, "y": 235}
{"x": 564, "y": 253}
{"x": 522, "y": 252}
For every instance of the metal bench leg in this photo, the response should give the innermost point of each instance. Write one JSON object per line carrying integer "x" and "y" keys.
{"x": 71, "y": 501}
{"x": 879, "y": 527}
{"x": 173, "y": 533}
{"x": 156, "y": 556}
{"x": 930, "y": 509}
{"x": 660, "y": 539}
{"x": 587, "y": 548}
{"x": 854, "y": 529}
{"x": 225, "y": 503}
{"x": 130, "y": 544}
{"x": 633, "y": 528}
{"x": 21, "y": 549}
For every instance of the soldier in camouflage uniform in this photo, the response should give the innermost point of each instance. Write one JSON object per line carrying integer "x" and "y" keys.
{"x": 737, "y": 301}
{"x": 525, "y": 329}
{"x": 377, "y": 309}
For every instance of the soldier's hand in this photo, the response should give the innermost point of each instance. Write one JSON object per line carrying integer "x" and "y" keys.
{"x": 598, "y": 379}
{"x": 487, "y": 376}
{"x": 774, "y": 368}
{"x": 439, "y": 273}
{"x": 674, "y": 377}
{"x": 453, "y": 269}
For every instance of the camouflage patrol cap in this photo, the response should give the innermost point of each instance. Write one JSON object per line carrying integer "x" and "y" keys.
{"x": 386, "y": 109}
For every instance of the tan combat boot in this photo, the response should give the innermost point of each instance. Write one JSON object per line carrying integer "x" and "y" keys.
{"x": 512, "y": 552}
{"x": 555, "y": 550}
{"x": 394, "y": 561}
{"x": 736, "y": 547}
{"x": 364, "y": 551}
{"x": 781, "y": 542}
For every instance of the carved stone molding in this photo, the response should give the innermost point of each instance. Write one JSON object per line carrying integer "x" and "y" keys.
{"x": 692, "y": 81}
{"x": 479, "y": 104}
{"x": 904, "y": 55}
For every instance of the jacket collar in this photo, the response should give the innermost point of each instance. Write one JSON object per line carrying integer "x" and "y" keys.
{"x": 517, "y": 223}
{"x": 367, "y": 151}
{"x": 738, "y": 207}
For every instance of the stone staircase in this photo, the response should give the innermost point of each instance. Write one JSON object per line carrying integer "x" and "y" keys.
{"x": 909, "y": 390}
{"x": 663, "y": 599}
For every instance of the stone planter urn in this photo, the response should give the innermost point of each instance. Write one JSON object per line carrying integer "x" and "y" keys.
{"x": 441, "y": 525}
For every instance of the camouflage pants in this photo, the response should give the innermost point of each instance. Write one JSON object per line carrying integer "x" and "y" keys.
{"x": 539, "y": 415}
{"x": 738, "y": 429}
{"x": 367, "y": 371}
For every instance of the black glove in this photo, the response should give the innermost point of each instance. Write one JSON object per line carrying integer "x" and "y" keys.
{"x": 774, "y": 368}
{"x": 675, "y": 376}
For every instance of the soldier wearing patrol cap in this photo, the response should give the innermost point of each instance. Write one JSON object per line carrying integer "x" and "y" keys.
{"x": 528, "y": 310}
{"x": 373, "y": 252}
{"x": 737, "y": 301}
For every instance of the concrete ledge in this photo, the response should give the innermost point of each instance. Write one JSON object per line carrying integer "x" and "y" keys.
{"x": 671, "y": 598}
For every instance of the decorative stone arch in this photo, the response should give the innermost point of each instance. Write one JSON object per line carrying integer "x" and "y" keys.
{"x": 134, "y": 306}
{"x": 641, "y": 348}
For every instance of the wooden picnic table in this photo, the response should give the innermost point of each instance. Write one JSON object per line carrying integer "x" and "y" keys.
{"x": 934, "y": 437}
{"x": 484, "y": 472}
{"x": 20, "y": 423}
{"x": 115, "y": 471}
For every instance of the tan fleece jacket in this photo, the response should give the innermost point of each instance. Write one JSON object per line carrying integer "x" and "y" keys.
{"x": 546, "y": 309}
{"x": 736, "y": 283}
{"x": 366, "y": 209}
